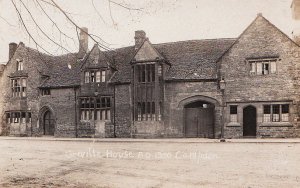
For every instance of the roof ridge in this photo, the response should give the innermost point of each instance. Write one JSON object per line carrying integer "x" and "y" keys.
{"x": 195, "y": 40}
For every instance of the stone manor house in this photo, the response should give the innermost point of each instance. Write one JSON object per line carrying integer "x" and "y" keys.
{"x": 241, "y": 87}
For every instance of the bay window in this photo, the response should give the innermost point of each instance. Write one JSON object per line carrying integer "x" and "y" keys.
{"x": 148, "y": 91}
{"x": 18, "y": 87}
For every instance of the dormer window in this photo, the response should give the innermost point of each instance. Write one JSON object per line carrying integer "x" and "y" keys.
{"x": 263, "y": 66}
{"x": 19, "y": 65}
{"x": 95, "y": 76}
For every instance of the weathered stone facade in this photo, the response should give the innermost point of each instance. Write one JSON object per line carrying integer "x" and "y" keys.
{"x": 261, "y": 40}
{"x": 199, "y": 88}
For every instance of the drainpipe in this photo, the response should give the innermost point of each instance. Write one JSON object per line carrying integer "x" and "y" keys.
{"x": 75, "y": 104}
{"x": 222, "y": 87}
{"x": 114, "y": 97}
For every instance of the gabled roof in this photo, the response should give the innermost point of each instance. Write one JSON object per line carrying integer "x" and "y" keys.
{"x": 60, "y": 71}
{"x": 194, "y": 59}
{"x": 97, "y": 58}
{"x": 187, "y": 60}
{"x": 259, "y": 16}
{"x": 146, "y": 52}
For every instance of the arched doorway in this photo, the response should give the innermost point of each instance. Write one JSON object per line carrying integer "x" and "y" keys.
{"x": 249, "y": 121}
{"x": 199, "y": 119}
{"x": 48, "y": 123}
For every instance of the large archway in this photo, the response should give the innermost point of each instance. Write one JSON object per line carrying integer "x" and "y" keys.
{"x": 199, "y": 119}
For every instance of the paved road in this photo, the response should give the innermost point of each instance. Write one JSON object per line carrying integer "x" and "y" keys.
{"x": 166, "y": 163}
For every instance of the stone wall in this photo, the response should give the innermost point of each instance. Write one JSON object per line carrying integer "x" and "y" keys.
{"x": 62, "y": 103}
{"x": 28, "y": 103}
{"x": 123, "y": 110}
{"x": 261, "y": 40}
{"x": 178, "y": 94}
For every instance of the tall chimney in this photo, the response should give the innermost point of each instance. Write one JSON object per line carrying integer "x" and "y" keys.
{"x": 83, "y": 42}
{"x": 140, "y": 37}
{"x": 296, "y": 17}
{"x": 12, "y": 49}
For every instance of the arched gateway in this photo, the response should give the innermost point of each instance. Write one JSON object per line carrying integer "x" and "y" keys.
{"x": 199, "y": 117}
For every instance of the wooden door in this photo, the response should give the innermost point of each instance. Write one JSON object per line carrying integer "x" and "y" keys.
{"x": 199, "y": 122}
{"x": 49, "y": 126}
{"x": 206, "y": 123}
{"x": 191, "y": 123}
{"x": 249, "y": 121}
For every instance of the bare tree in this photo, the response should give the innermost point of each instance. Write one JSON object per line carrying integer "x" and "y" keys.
{"x": 44, "y": 6}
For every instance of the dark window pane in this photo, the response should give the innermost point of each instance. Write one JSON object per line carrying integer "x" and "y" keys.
{"x": 153, "y": 72}
{"x": 148, "y": 69}
{"x": 92, "y": 105}
{"x": 98, "y": 103}
{"x": 267, "y": 109}
{"x": 233, "y": 109}
{"x": 143, "y": 73}
{"x": 108, "y": 102}
{"x": 153, "y": 108}
{"x": 285, "y": 108}
{"x": 103, "y": 103}
{"x": 275, "y": 109}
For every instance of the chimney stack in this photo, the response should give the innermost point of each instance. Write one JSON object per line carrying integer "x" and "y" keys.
{"x": 296, "y": 17}
{"x": 83, "y": 42}
{"x": 12, "y": 49}
{"x": 140, "y": 37}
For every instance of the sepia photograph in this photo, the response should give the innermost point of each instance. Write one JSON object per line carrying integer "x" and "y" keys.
{"x": 149, "y": 93}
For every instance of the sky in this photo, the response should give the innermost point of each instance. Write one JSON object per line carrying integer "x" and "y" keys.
{"x": 162, "y": 20}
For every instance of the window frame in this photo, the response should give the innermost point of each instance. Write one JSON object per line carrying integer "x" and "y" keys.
{"x": 279, "y": 116}
{"x": 19, "y": 87}
{"x": 258, "y": 67}
{"x": 20, "y": 65}
{"x": 233, "y": 113}
{"x": 145, "y": 72}
{"x": 95, "y": 75}
{"x": 148, "y": 97}
{"x": 45, "y": 91}
{"x": 96, "y": 108}
{"x": 18, "y": 117}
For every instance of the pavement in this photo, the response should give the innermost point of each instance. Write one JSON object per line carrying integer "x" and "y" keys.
{"x": 160, "y": 140}
{"x": 143, "y": 163}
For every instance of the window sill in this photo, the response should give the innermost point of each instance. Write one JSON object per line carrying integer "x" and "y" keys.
{"x": 276, "y": 124}
{"x": 263, "y": 75}
{"x": 145, "y": 121}
{"x": 94, "y": 120}
{"x": 233, "y": 124}
{"x": 19, "y": 98}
